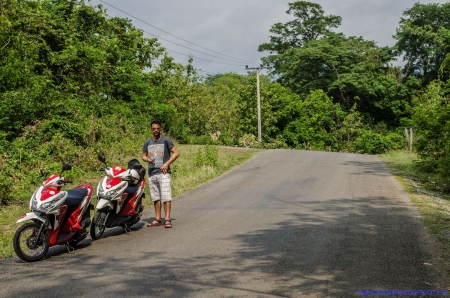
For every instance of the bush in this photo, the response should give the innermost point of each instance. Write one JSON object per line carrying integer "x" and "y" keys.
{"x": 227, "y": 140}
{"x": 314, "y": 127}
{"x": 200, "y": 140}
{"x": 208, "y": 157}
{"x": 248, "y": 141}
{"x": 370, "y": 142}
{"x": 275, "y": 144}
{"x": 50, "y": 143}
{"x": 432, "y": 121}
{"x": 6, "y": 183}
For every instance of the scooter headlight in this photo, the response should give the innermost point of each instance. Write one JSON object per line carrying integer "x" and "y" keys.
{"x": 107, "y": 195}
{"x": 100, "y": 190}
{"x": 33, "y": 202}
{"x": 47, "y": 207}
{"x": 112, "y": 193}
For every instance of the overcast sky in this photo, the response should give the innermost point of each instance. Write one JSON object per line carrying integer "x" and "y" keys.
{"x": 236, "y": 28}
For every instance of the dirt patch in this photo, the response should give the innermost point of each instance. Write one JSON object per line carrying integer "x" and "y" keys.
{"x": 235, "y": 149}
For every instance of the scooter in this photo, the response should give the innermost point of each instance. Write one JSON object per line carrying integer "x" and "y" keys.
{"x": 58, "y": 217}
{"x": 119, "y": 195}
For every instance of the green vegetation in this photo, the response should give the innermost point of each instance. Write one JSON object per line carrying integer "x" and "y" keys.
{"x": 423, "y": 36}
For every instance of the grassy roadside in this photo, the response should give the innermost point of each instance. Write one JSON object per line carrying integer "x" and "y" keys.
{"x": 195, "y": 166}
{"x": 431, "y": 202}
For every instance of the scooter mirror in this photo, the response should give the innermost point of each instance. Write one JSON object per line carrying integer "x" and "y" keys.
{"x": 42, "y": 172}
{"x": 102, "y": 158}
{"x": 67, "y": 167}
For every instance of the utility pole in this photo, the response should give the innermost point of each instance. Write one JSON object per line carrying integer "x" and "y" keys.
{"x": 258, "y": 105}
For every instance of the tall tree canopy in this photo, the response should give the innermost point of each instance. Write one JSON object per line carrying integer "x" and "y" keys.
{"x": 310, "y": 24}
{"x": 423, "y": 37}
{"x": 306, "y": 56}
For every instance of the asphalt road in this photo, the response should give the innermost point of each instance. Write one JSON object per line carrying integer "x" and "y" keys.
{"x": 284, "y": 224}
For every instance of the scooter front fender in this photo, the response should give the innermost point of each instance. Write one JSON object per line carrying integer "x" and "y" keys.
{"x": 30, "y": 216}
{"x": 102, "y": 203}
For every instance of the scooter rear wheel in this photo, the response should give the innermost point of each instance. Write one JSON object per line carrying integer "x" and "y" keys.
{"x": 24, "y": 242}
{"x": 98, "y": 225}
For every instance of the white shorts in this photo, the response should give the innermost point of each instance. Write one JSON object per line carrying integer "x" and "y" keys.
{"x": 160, "y": 187}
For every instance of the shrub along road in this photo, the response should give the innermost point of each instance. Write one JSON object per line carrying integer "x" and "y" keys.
{"x": 284, "y": 224}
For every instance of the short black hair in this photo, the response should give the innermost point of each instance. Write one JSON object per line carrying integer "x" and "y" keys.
{"x": 155, "y": 122}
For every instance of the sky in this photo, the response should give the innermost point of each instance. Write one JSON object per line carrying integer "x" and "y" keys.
{"x": 212, "y": 31}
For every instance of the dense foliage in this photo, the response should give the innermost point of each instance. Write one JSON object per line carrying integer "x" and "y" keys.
{"x": 424, "y": 38}
{"x": 75, "y": 82}
{"x": 432, "y": 118}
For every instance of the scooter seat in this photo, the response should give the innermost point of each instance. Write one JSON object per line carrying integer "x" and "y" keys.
{"x": 75, "y": 197}
{"x": 132, "y": 189}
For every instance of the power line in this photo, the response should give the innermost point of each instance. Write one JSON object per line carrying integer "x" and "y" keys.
{"x": 200, "y": 70}
{"x": 195, "y": 51}
{"x": 213, "y": 73}
{"x": 174, "y": 35}
{"x": 204, "y": 59}
{"x": 169, "y": 50}
{"x": 190, "y": 48}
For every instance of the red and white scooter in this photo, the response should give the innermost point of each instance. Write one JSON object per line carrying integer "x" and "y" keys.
{"x": 119, "y": 195}
{"x": 58, "y": 217}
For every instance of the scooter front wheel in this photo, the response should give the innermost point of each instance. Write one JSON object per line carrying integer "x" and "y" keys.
{"x": 98, "y": 225}
{"x": 27, "y": 245}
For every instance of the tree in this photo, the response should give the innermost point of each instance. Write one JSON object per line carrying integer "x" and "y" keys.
{"x": 316, "y": 123}
{"x": 306, "y": 56}
{"x": 310, "y": 24}
{"x": 423, "y": 37}
{"x": 57, "y": 56}
{"x": 279, "y": 105}
{"x": 350, "y": 70}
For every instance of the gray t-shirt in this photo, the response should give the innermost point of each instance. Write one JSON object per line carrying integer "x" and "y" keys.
{"x": 160, "y": 150}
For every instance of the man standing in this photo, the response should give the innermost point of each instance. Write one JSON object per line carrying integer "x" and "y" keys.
{"x": 156, "y": 151}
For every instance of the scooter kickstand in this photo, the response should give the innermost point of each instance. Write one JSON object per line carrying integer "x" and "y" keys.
{"x": 70, "y": 249}
{"x": 127, "y": 229}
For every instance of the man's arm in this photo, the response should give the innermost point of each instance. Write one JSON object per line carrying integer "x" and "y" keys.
{"x": 173, "y": 157}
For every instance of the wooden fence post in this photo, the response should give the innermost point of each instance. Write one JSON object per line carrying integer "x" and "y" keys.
{"x": 409, "y": 139}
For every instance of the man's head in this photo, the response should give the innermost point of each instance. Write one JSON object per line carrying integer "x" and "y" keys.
{"x": 156, "y": 128}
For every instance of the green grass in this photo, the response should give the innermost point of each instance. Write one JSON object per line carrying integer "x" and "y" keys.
{"x": 406, "y": 165}
{"x": 186, "y": 175}
{"x": 8, "y": 218}
{"x": 432, "y": 204}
